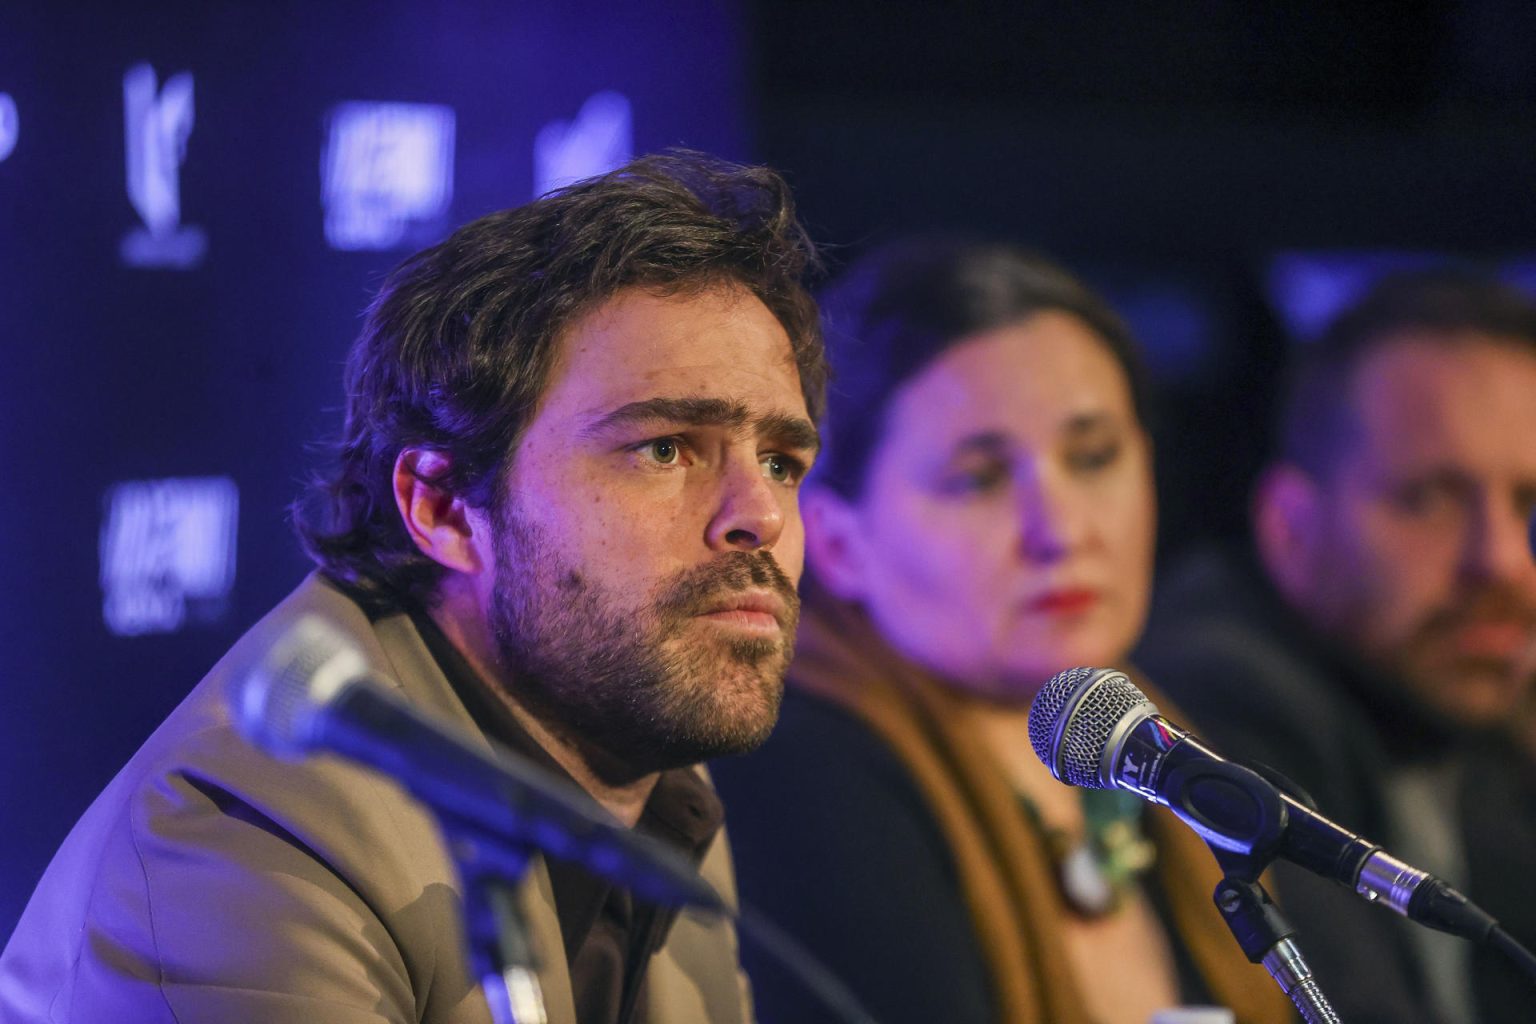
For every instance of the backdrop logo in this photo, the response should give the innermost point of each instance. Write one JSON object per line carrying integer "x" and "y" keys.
{"x": 167, "y": 553}
{"x": 157, "y": 123}
{"x": 601, "y": 138}
{"x": 10, "y": 125}
{"x": 387, "y": 173}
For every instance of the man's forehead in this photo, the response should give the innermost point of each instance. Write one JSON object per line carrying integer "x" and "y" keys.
{"x": 641, "y": 319}
{"x": 638, "y": 345}
{"x": 1445, "y": 397}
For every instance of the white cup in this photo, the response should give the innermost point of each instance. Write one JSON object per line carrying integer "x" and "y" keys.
{"x": 1194, "y": 1015}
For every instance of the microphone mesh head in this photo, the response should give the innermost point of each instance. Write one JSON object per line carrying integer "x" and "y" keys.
{"x": 1073, "y": 717}
{"x": 1050, "y": 706}
{"x": 276, "y": 705}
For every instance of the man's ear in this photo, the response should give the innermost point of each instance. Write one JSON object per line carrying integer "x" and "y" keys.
{"x": 835, "y": 544}
{"x": 442, "y": 525}
{"x": 1287, "y": 510}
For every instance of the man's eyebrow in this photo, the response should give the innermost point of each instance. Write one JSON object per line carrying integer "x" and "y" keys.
{"x": 791, "y": 431}
{"x": 700, "y": 412}
{"x": 795, "y": 431}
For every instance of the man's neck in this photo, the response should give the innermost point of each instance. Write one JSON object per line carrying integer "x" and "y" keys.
{"x": 624, "y": 800}
{"x": 618, "y": 792}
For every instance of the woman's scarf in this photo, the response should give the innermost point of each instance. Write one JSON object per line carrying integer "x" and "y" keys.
{"x": 1006, "y": 875}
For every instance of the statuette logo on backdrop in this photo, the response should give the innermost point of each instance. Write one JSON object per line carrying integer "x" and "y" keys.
{"x": 387, "y": 174}
{"x": 10, "y": 125}
{"x": 167, "y": 553}
{"x": 158, "y": 122}
{"x": 600, "y": 138}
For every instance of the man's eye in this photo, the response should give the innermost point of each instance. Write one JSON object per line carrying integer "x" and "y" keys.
{"x": 781, "y": 469}
{"x": 1525, "y": 503}
{"x": 664, "y": 450}
{"x": 1427, "y": 499}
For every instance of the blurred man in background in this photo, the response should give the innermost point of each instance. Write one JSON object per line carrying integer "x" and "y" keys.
{"x": 1381, "y": 635}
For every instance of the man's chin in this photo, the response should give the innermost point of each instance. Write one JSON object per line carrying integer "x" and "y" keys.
{"x": 683, "y": 750}
{"x": 740, "y": 717}
{"x": 729, "y": 711}
{"x": 720, "y": 745}
{"x": 1474, "y": 695}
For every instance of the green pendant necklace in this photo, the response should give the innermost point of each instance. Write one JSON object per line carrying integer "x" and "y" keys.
{"x": 1099, "y": 870}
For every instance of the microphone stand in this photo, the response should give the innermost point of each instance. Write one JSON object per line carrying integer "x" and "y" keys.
{"x": 1244, "y": 824}
{"x": 500, "y": 946}
{"x": 1264, "y": 934}
{"x": 1266, "y": 937}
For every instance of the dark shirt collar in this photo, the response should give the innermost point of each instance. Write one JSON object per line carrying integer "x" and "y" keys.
{"x": 682, "y": 810}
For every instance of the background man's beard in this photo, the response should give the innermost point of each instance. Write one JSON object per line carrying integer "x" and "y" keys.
{"x": 628, "y": 681}
{"x": 1480, "y": 692}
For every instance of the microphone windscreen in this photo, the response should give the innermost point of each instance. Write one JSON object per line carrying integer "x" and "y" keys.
{"x": 1073, "y": 718}
{"x": 277, "y": 706}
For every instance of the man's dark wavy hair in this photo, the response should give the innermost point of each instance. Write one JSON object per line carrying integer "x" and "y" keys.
{"x": 457, "y": 348}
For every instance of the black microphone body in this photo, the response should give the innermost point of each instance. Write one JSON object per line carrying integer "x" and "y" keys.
{"x": 313, "y": 693}
{"x": 1095, "y": 728}
{"x": 1231, "y": 806}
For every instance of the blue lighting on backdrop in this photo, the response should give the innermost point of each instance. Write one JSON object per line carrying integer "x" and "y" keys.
{"x": 10, "y": 125}
{"x": 292, "y": 154}
{"x": 1520, "y": 271}
{"x": 387, "y": 174}
{"x": 167, "y": 553}
{"x": 157, "y": 123}
{"x": 601, "y": 138}
{"x": 1174, "y": 324}
{"x": 1308, "y": 289}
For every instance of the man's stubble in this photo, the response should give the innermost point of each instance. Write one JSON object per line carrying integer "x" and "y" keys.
{"x": 645, "y": 683}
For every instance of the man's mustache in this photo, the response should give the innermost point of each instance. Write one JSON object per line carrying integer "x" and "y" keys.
{"x": 1489, "y": 604}
{"x": 696, "y": 590}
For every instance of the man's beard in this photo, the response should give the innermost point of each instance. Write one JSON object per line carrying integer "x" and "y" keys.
{"x": 642, "y": 686}
{"x": 1474, "y": 691}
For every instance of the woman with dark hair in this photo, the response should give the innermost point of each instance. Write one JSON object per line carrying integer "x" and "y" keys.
{"x": 982, "y": 518}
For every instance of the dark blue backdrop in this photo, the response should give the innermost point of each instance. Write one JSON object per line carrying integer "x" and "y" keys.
{"x": 1168, "y": 154}
{"x": 114, "y": 373}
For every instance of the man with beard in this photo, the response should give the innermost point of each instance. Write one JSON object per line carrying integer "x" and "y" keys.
{"x": 563, "y": 519}
{"x": 1380, "y": 639}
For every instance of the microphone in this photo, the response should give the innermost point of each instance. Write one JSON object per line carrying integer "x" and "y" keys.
{"x": 313, "y": 692}
{"x": 1094, "y": 728}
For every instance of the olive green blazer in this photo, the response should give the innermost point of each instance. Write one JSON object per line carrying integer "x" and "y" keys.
{"x": 212, "y": 883}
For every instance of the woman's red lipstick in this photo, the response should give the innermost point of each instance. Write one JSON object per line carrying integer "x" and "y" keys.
{"x": 1072, "y": 601}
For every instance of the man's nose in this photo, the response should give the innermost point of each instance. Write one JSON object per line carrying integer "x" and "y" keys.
{"x": 1500, "y": 545}
{"x": 750, "y": 514}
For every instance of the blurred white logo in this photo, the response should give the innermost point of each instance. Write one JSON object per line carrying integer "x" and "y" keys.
{"x": 167, "y": 552}
{"x": 387, "y": 173}
{"x": 157, "y": 124}
{"x": 10, "y": 125}
{"x": 600, "y": 139}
